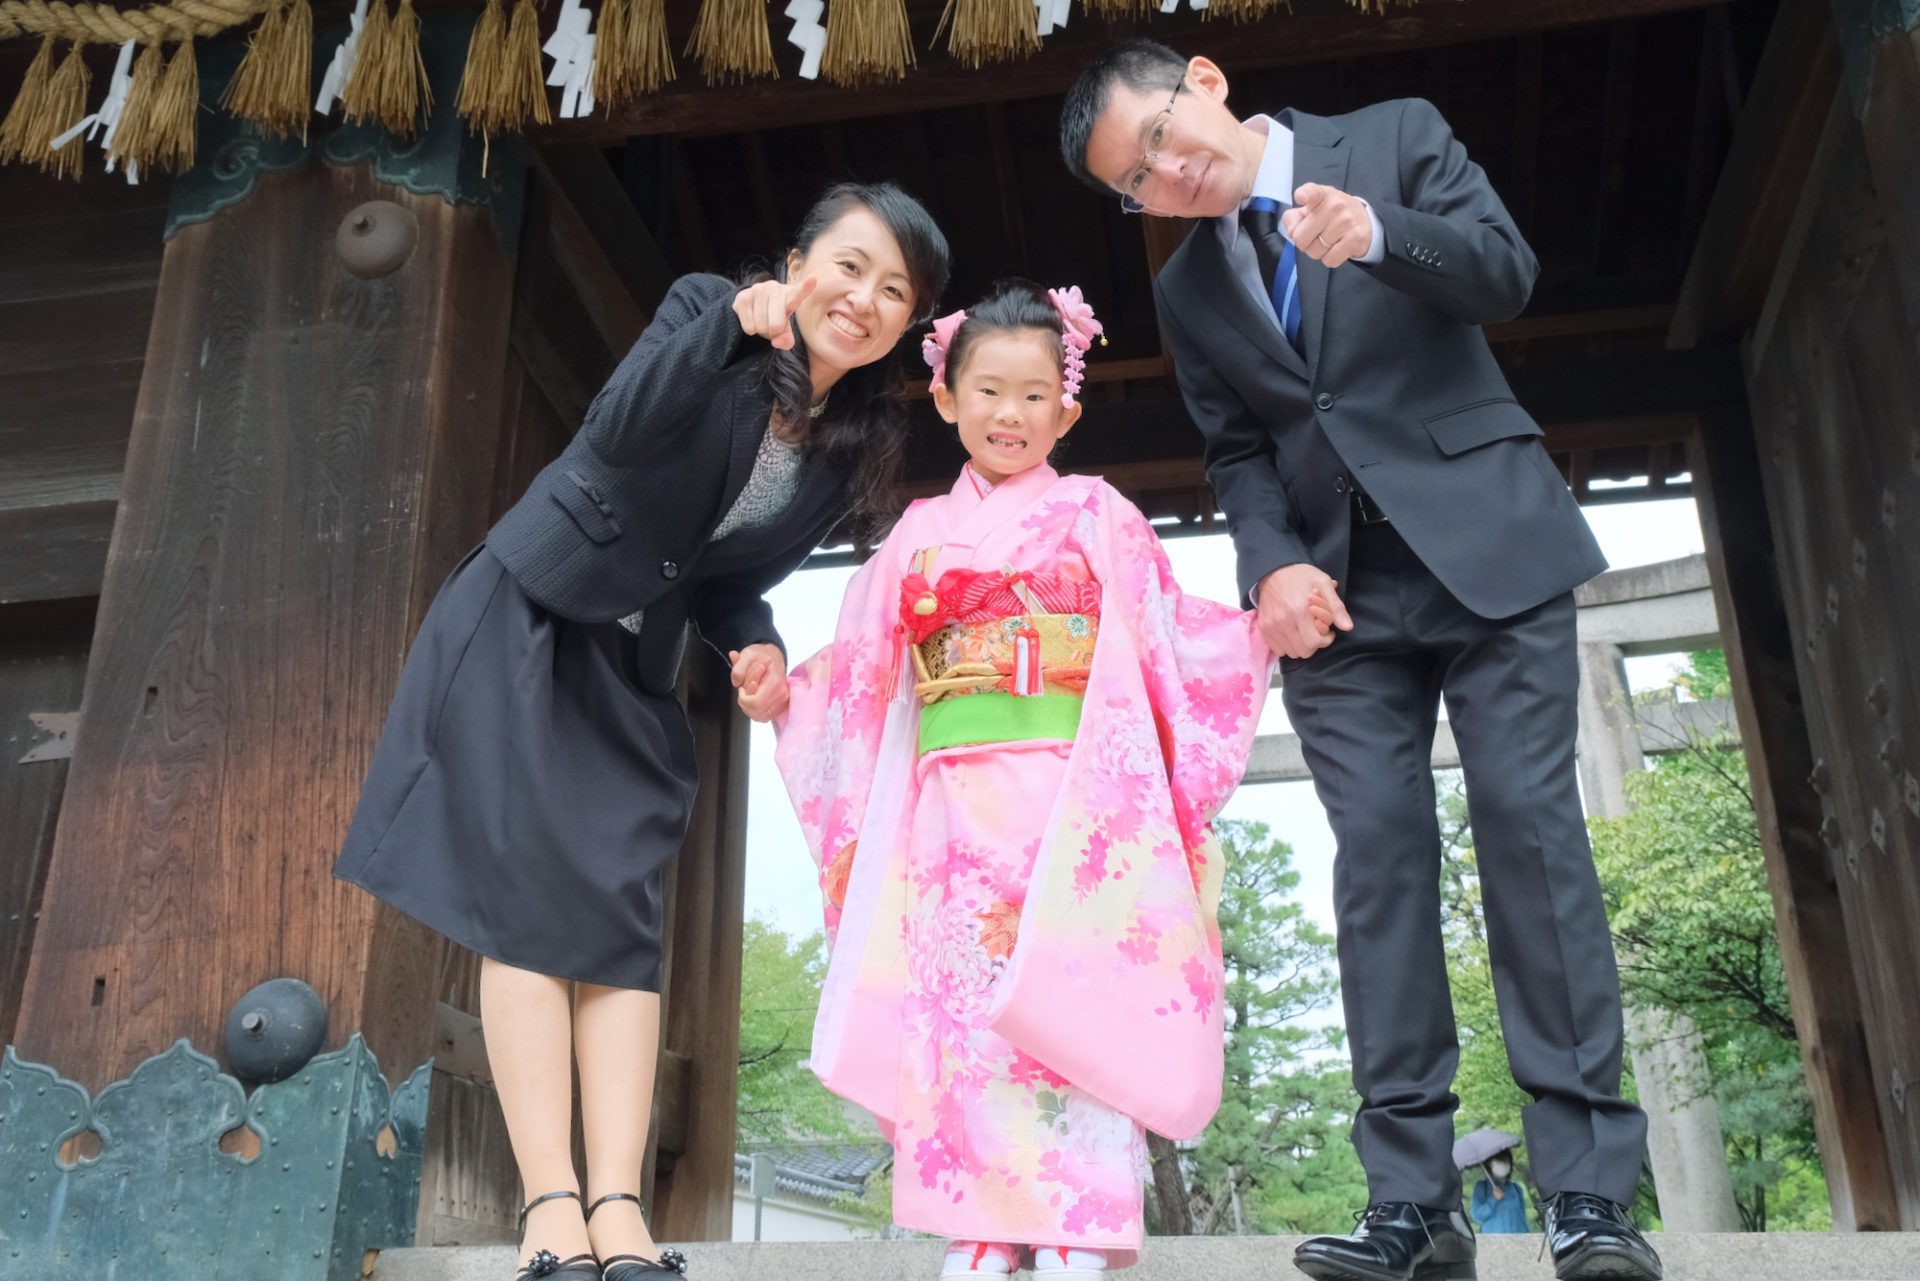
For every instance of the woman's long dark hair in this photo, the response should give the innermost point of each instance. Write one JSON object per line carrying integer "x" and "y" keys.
{"x": 866, "y": 417}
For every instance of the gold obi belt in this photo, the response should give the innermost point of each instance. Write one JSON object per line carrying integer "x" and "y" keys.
{"x": 1002, "y": 680}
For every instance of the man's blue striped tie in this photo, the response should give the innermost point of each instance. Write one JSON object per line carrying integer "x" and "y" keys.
{"x": 1279, "y": 264}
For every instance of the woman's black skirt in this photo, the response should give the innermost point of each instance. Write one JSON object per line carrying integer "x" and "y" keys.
{"x": 526, "y": 792}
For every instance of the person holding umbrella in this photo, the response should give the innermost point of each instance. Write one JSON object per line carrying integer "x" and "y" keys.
{"x": 1499, "y": 1205}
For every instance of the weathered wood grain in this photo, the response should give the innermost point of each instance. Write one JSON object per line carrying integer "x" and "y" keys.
{"x": 706, "y": 895}
{"x": 309, "y": 453}
{"x": 43, "y": 664}
{"x": 1835, "y": 388}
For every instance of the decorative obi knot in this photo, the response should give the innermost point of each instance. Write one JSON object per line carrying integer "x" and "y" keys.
{"x": 977, "y": 596}
{"x": 1025, "y": 654}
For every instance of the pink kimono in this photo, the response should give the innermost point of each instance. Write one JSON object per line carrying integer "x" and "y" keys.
{"x": 1026, "y": 959}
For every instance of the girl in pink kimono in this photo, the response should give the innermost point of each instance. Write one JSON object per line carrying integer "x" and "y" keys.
{"x": 1006, "y": 765}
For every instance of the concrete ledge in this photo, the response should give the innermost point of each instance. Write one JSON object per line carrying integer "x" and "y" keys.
{"x": 1865, "y": 1256}
{"x": 1664, "y": 728}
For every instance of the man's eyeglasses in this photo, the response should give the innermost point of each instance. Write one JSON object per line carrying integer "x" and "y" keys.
{"x": 1157, "y": 134}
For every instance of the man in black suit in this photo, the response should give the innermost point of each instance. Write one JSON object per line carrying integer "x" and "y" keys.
{"x": 1405, "y": 538}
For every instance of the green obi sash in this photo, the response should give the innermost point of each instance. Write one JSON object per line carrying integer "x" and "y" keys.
{"x": 997, "y": 717}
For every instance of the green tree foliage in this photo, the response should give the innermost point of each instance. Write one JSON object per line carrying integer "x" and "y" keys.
{"x": 1685, "y": 881}
{"x": 780, "y": 1100}
{"x": 1686, "y": 884}
{"x": 1276, "y": 1156}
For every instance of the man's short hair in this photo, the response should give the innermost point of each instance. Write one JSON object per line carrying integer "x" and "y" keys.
{"x": 1144, "y": 66}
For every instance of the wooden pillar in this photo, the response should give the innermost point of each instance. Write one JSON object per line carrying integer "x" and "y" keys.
{"x": 311, "y": 452}
{"x": 706, "y": 906}
{"x": 1815, "y": 951}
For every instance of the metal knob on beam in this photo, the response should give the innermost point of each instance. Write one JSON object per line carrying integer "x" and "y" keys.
{"x": 376, "y": 239}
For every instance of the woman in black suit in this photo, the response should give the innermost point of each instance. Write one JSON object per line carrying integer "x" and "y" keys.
{"x": 536, "y": 770}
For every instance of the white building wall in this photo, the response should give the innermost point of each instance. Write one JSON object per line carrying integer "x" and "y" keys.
{"x": 782, "y": 1219}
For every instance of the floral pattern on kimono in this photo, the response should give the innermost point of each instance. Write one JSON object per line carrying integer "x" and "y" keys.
{"x": 1026, "y": 961}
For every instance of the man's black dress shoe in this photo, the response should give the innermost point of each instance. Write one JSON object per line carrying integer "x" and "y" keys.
{"x": 1593, "y": 1240}
{"x": 1396, "y": 1241}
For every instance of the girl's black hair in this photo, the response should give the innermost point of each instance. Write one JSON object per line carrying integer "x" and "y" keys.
{"x": 865, "y": 422}
{"x": 1011, "y": 304}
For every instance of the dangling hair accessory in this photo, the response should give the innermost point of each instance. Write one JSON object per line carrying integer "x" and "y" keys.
{"x": 933, "y": 348}
{"x": 1078, "y": 329}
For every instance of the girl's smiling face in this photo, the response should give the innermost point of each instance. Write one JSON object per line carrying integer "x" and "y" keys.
{"x": 1005, "y": 400}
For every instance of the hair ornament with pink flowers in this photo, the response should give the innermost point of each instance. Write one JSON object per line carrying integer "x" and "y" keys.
{"x": 1078, "y": 329}
{"x": 933, "y": 348}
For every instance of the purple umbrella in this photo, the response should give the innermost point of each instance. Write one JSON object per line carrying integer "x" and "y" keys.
{"x": 1482, "y": 1145}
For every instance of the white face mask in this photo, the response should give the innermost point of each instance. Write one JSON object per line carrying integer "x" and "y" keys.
{"x": 1500, "y": 1169}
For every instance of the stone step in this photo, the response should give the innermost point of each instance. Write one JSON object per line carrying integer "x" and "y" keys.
{"x": 1775, "y": 1256}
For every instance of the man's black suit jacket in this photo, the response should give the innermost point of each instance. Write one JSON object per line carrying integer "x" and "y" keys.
{"x": 1397, "y": 390}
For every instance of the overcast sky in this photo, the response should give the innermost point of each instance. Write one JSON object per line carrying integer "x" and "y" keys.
{"x": 781, "y": 884}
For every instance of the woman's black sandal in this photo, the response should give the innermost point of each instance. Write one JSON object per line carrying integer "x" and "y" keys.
{"x": 631, "y": 1267}
{"x": 545, "y": 1265}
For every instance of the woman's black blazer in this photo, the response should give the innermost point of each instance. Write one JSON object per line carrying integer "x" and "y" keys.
{"x": 621, "y": 520}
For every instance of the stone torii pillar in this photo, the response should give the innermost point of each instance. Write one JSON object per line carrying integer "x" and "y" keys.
{"x": 1684, "y": 1142}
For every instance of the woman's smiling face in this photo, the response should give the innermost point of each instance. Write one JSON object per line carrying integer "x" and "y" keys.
{"x": 863, "y": 299}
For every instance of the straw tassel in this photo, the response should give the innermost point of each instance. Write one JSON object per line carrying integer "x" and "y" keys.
{"x": 156, "y": 129}
{"x": 989, "y": 31}
{"x": 176, "y": 112}
{"x": 271, "y": 86}
{"x": 1121, "y": 10}
{"x": 358, "y": 95}
{"x": 388, "y": 86}
{"x": 523, "y": 84}
{"x": 868, "y": 42}
{"x": 632, "y": 55}
{"x": 132, "y": 143}
{"x": 483, "y": 79}
{"x": 1244, "y": 10}
{"x": 732, "y": 42}
{"x": 63, "y": 106}
{"x": 17, "y": 141}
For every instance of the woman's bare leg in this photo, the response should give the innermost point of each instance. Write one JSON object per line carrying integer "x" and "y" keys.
{"x": 527, "y": 1021}
{"x": 617, "y": 1038}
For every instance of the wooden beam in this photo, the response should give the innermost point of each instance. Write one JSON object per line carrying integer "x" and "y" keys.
{"x": 1320, "y": 31}
{"x": 605, "y": 208}
{"x": 834, "y": 146}
{"x": 1616, "y": 123}
{"x": 1582, "y": 324}
{"x": 760, "y": 183}
{"x": 700, "y": 985}
{"x": 1013, "y": 222}
{"x": 565, "y": 394}
{"x": 1580, "y": 473}
{"x": 43, "y": 666}
{"x": 1162, "y": 236}
{"x": 1597, "y": 405}
{"x": 1727, "y": 66}
{"x": 616, "y": 314}
{"x": 695, "y": 244}
{"x": 1573, "y": 324}
{"x": 1710, "y": 122}
{"x": 1529, "y": 105}
{"x": 1829, "y": 1012}
{"x": 54, "y": 551}
{"x": 1752, "y": 207}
